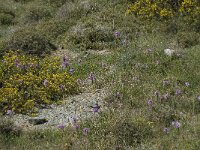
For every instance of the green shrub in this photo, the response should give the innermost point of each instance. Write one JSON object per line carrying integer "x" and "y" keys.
{"x": 133, "y": 132}
{"x": 23, "y": 1}
{"x": 91, "y": 37}
{"x": 30, "y": 41}
{"x": 164, "y": 8}
{"x": 188, "y": 39}
{"x": 36, "y": 13}
{"x": 53, "y": 28}
{"x": 8, "y": 128}
{"x": 27, "y": 82}
{"x": 57, "y": 3}
{"x": 6, "y": 15}
{"x": 76, "y": 10}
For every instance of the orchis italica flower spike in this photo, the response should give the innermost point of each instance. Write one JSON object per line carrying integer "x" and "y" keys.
{"x": 85, "y": 131}
{"x": 117, "y": 33}
{"x": 95, "y": 108}
{"x": 91, "y": 77}
{"x": 166, "y": 130}
{"x": 177, "y": 92}
{"x": 61, "y": 126}
{"x": 46, "y": 83}
{"x": 150, "y": 102}
{"x": 176, "y": 124}
{"x": 9, "y": 112}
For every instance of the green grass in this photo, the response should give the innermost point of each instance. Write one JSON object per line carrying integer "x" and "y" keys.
{"x": 135, "y": 74}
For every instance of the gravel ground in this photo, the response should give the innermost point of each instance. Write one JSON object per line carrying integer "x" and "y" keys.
{"x": 78, "y": 107}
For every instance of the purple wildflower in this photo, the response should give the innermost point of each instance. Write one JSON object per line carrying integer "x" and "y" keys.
{"x": 9, "y": 112}
{"x": 117, "y": 33}
{"x": 85, "y": 131}
{"x": 177, "y": 92}
{"x": 166, "y": 130}
{"x": 91, "y": 77}
{"x": 95, "y": 108}
{"x": 150, "y": 102}
{"x": 61, "y": 126}
{"x": 176, "y": 124}
{"x": 46, "y": 83}
{"x": 37, "y": 66}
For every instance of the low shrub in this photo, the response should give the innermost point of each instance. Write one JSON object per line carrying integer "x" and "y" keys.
{"x": 164, "y": 8}
{"x": 76, "y": 10}
{"x": 6, "y": 16}
{"x": 35, "y": 13}
{"x": 57, "y": 3}
{"x": 7, "y": 128}
{"x": 30, "y": 41}
{"x": 91, "y": 37}
{"x": 53, "y": 28}
{"x": 27, "y": 82}
{"x": 133, "y": 132}
{"x": 188, "y": 39}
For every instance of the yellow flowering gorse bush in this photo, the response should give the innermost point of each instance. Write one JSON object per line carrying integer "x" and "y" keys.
{"x": 28, "y": 82}
{"x": 164, "y": 8}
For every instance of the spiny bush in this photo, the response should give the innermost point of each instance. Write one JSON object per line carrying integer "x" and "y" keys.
{"x": 76, "y": 10}
{"x": 30, "y": 41}
{"x": 57, "y": 3}
{"x": 91, "y": 37}
{"x": 133, "y": 132}
{"x": 164, "y": 8}
{"x": 6, "y": 16}
{"x": 53, "y": 28}
{"x": 7, "y": 128}
{"x": 27, "y": 82}
{"x": 187, "y": 39}
{"x": 23, "y": 1}
{"x": 36, "y": 13}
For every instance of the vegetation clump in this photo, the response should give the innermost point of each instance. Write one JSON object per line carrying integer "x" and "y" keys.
{"x": 164, "y": 8}
{"x": 27, "y": 82}
{"x": 30, "y": 41}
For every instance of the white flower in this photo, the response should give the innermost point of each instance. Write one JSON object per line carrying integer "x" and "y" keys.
{"x": 168, "y": 52}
